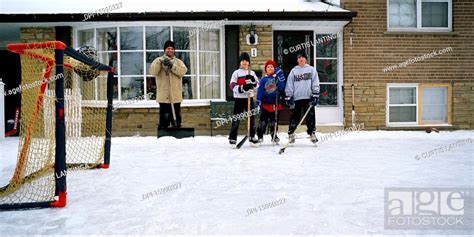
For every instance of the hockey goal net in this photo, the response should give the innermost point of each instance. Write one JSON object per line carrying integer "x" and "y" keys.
{"x": 58, "y": 130}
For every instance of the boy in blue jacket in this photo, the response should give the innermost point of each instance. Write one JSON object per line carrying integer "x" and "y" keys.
{"x": 271, "y": 86}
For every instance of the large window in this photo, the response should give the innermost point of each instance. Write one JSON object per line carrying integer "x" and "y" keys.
{"x": 326, "y": 64}
{"x": 418, "y": 104}
{"x": 423, "y": 15}
{"x": 132, "y": 49}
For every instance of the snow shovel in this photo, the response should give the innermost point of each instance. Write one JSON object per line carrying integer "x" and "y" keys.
{"x": 174, "y": 131}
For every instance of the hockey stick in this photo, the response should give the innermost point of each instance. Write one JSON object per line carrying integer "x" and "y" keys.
{"x": 301, "y": 121}
{"x": 353, "y": 107}
{"x": 275, "y": 129}
{"x": 239, "y": 145}
{"x": 248, "y": 122}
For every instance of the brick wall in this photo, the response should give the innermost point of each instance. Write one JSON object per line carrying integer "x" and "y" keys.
{"x": 374, "y": 49}
{"x": 30, "y": 34}
{"x": 143, "y": 122}
{"x": 264, "y": 46}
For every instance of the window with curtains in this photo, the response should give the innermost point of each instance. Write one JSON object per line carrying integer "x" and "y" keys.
{"x": 419, "y": 104}
{"x": 426, "y": 15}
{"x": 132, "y": 49}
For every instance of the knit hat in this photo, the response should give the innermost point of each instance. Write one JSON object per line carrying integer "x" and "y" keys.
{"x": 168, "y": 43}
{"x": 270, "y": 62}
{"x": 244, "y": 56}
{"x": 301, "y": 54}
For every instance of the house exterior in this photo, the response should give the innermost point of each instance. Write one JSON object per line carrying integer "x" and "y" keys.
{"x": 349, "y": 42}
{"x": 410, "y": 63}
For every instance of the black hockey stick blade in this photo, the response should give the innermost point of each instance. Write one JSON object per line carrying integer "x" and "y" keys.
{"x": 241, "y": 143}
{"x": 175, "y": 132}
{"x": 282, "y": 150}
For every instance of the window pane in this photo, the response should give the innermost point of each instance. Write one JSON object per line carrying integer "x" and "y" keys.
{"x": 149, "y": 59}
{"x": 210, "y": 87}
{"x": 402, "y": 13}
{"x": 106, "y": 39}
{"x": 209, "y": 40}
{"x": 182, "y": 39}
{"x": 402, "y": 95}
{"x": 328, "y": 95}
{"x": 326, "y": 46}
{"x": 131, "y": 38}
{"x": 102, "y": 88}
{"x": 189, "y": 59}
{"x": 435, "y": 105}
{"x": 131, "y": 63}
{"x": 86, "y": 37}
{"x": 327, "y": 70}
{"x": 132, "y": 87}
{"x": 402, "y": 114}
{"x": 434, "y": 14}
{"x": 88, "y": 89}
{"x": 189, "y": 87}
{"x": 151, "y": 88}
{"x": 209, "y": 64}
{"x": 104, "y": 58}
{"x": 156, "y": 37}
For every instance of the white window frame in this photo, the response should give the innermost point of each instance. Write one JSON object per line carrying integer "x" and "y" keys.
{"x": 419, "y": 27}
{"x": 152, "y": 103}
{"x": 387, "y": 103}
{"x": 338, "y": 57}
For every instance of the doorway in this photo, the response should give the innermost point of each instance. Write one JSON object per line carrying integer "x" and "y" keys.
{"x": 286, "y": 46}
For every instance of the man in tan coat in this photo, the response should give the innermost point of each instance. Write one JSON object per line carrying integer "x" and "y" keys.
{"x": 169, "y": 71}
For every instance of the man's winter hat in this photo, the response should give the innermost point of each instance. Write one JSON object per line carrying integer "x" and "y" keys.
{"x": 270, "y": 62}
{"x": 244, "y": 56}
{"x": 168, "y": 43}
{"x": 301, "y": 54}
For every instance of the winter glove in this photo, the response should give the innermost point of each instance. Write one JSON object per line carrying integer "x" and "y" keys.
{"x": 279, "y": 74}
{"x": 290, "y": 102}
{"x": 167, "y": 63}
{"x": 314, "y": 99}
{"x": 248, "y": 87}
{"x": 258, "y": 105}
{"x": 251, "y": 78}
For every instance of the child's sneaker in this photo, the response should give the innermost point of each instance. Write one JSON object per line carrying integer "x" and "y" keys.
{"x": 260, "y": 139}
{"x": 253, "y": 140}
{"x": 291, "y": 138}
{"x": 233, "y": 143}
{"x": 276, "y": 139}
{"x": 313, "y": 138}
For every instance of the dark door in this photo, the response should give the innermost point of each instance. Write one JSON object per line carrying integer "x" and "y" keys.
{"x": 11, "y": 75}
{"x": 286, "y": 46}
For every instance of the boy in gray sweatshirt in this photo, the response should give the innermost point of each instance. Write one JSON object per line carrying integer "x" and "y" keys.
{"x": 302, "y": 91}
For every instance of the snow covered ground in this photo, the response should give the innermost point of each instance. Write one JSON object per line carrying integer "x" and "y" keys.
{"x": 335, "y": 188}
